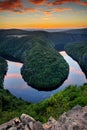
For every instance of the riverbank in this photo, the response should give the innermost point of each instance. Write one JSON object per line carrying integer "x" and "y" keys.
{"x": 78, "y": 51}
{"x": 23, "y": 49}
{"x": 43, "y": 67}
{"x": 23, "y": 90}
{"x": 3, "y": 70}
{"x": 10, "y": 106}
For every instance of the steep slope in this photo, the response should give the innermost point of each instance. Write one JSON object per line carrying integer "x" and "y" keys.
{"x": 60, "y": 39}
{"x": 54, "y": 106}
{"x": 3, "y": 70}
{"x": 57, "y": 39}
{"x": 78, "y": 51}
{"x": 74, "y": 119}
{"x": 43, "y": 68}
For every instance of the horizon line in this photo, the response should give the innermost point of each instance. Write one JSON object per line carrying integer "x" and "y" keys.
{"x": 45, "y": 28}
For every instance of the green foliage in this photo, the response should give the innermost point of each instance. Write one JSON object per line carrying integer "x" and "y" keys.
{"x": 60, "y": 102}
{"x": 10, "y": 106}
{"x": 44, "y": 68}
{"x": 57, "y": 104}
{"x": 3, "y": 69}
{"x": 78, "y": 51}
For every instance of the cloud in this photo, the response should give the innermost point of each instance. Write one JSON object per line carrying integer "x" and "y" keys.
{"x": 18, "y": 6}
{"x": 61, "y": 9}
{"x": 37, "y": 1}
{"x": 60, "y": 2}
{"x": 11, "y": 5}
{"x": 15, "y": 6}
{"x": 47, "y": 13}
{"x": 45, "y": 18}
{"x": 83, "y": 3}
{"x": 30, "y": 9}
{"x": 50, "y": 11}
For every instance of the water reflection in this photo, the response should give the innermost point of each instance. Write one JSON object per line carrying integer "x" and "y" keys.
{"x": 15, "y": 84}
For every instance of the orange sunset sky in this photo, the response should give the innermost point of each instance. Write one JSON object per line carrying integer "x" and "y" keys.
{"x": 26, "y": 14}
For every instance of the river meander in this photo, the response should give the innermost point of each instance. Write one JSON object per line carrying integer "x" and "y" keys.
{"x": 17, "y": 86}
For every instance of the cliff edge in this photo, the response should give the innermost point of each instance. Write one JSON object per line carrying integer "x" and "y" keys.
{"x": 74, "y": 119}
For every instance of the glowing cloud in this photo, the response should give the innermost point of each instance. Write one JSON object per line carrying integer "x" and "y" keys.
{"x": 11, "y": 5}
{"x": 60, "y": 2}
{"x": 37, "y": 1}
{"x": 42, "y": 14}
{"x": 61, "y": 9}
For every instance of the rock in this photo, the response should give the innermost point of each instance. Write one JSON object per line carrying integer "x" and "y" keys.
{"x": 30, "y": 125}
{"x": 26, "y": 119}
{"x": 74, "y": 119}
{"x": 38, "y": 126}
{"x": 75, "y": 127}
{"x": 21, "y": 126}
{"x": 16, "y": 121}
{"x": 85, "y": 116}
{"x": 51, "y": 120}
{"x": 12, "y": 128}
{"x": 77, "y": 107}
{"x": 7, "y": 125}
{"x": 48, "y": 125}
{"x": 26, "y": 127}
{"x": 63, "y": 118}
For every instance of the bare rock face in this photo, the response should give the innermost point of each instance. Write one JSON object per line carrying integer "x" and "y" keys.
{"x": 38, "y": 126}
{"x": 75, "y": 119}
{"x": 26, "y": 119}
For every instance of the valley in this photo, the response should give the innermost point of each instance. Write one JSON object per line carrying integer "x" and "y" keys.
{"x": 44, "y": 69}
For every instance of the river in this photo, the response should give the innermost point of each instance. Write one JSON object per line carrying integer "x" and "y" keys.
{"x": 14, "y": 82}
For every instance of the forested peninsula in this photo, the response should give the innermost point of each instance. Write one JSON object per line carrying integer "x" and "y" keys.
{"x": 43, "y": 67}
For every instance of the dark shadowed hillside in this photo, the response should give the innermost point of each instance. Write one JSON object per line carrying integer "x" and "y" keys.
{"x": 57, "y": 39}
{"x": 43, "y": 68}
{"x": 60, "y": 39}
{"x": 78, "y": 51}
{"x": 43, "y": 65}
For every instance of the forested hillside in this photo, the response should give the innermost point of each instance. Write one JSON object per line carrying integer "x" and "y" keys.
{"x": 44, "y": 68}
{"x": 57, "y": 104}
{"x": 3, "y": 70}
{"x": 57, "y": 39}
{"x": 78, "y": 51}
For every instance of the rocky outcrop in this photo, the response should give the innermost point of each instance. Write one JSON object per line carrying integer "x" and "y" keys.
{"x": 75, "y": 119}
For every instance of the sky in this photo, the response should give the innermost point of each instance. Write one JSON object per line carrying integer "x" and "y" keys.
{"x": 43, "y": 14}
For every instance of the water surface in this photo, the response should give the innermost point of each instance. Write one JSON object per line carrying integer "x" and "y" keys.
{"x": 17, "y": 86}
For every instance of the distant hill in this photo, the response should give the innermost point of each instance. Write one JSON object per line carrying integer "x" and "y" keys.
{"x": 77, "y": 31}
{"x": 13, "y": 32}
